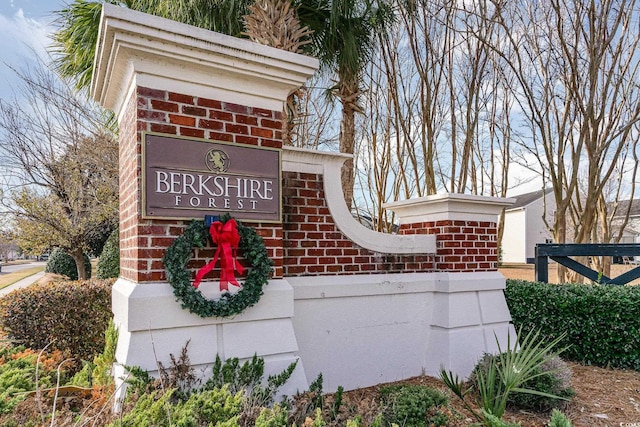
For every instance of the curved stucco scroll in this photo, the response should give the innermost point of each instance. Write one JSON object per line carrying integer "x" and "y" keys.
{"x": 329, "y": 166}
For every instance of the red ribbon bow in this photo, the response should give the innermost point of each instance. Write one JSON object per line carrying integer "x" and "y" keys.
{"x": 227, "y": 238}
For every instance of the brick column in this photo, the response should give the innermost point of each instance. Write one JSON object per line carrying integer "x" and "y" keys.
{"x": 465, "y": 228}
{"x": 164, "y": 77}
{"x": 461, "y": 245}
{"x": 144, "y": 241}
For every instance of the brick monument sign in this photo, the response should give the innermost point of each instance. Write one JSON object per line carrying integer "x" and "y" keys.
{"x": 200, "y": 124}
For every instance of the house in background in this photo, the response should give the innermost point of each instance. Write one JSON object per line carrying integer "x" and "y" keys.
{"x": 524, "y": 226}
{"x": 9, "y": 251}
{"x": 631, "y": 232}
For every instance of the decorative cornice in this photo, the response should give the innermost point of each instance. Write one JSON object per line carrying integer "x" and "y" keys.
{"x": 329, "y": 165}
{"x": 449, "y": 206}
{"x": 135, "y": 48}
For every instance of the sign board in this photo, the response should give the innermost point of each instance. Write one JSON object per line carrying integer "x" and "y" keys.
{"x": 188, "y": 178}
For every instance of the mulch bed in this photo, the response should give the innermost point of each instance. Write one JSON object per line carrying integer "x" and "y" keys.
{"x": 604, "y": 397}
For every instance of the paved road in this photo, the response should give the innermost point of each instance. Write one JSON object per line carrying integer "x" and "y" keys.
{"x": 11, "y": 268}
{"x": 24, "y": 282}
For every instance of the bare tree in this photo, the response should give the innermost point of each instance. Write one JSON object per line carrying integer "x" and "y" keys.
{"x": 61, "y": 163}
{"x": 577, "y": 81}
{"x": 315, "y": 126}
{"x": 416, "y": 63}
{"x": 376, "y": 156}
{"x": 615, "y": 204}
{"x": 438, "y": 111}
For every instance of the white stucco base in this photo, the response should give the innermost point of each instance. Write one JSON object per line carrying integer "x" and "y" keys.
{"x": 152, "y": 326}
{"x": 364, "y": 330}
{"x": 356, "y": 330}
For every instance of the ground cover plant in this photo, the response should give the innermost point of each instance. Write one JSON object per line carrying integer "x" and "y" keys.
{"x": 383, "y": 405}
{"x": 39, "y": 388}
{"x": 18, "y": 374}
{"x": 414, "y": 405}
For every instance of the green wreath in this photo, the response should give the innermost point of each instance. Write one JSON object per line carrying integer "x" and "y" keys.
{"x": 178, "y": 254}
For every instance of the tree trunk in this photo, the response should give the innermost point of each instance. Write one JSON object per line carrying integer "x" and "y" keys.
{"x": 348, "y": 97}
{"x": 78, "y": 257}
{"x": 560, "y": 236}
{"x": 288, "y": 119}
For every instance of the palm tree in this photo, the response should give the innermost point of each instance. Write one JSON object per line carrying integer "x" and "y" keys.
{"x": 344, "y": 38}
{"x": 275, "y": 23}
{"x": 74, "y": 44}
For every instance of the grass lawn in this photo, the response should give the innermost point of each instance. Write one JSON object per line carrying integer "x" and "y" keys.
{"x": 11, "y": 278}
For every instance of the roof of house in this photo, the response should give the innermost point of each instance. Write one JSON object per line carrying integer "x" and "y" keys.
{"x": 623, "y": 205}
{"x": 528, "y": 198}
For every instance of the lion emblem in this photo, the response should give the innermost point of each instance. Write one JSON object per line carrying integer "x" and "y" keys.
{"x": 217, "y": 161}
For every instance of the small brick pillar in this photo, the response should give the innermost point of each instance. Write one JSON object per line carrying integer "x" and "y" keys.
{"x": 465, "y": 227}
{"x": 469, "y": 305}
{"x": 165, "y": 77}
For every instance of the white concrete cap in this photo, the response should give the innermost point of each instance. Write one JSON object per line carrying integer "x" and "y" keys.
{"x": 449, "y": 206}
{"x": 136, "y": 48}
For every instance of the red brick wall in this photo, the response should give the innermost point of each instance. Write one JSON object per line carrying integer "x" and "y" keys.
{"x": 461, "y": 245}
{"x": 143, "y": 242}
{"x": 308, "y": 242}
{"x": 129, "y": 191}
{"x": 185, "y": 115}
{"x": 313, "y": 245}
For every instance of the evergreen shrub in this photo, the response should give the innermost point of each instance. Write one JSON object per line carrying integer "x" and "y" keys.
{"x": 216, "y": 407}
{"x": 413, "y": 405}
{"x": 99, "y": 372}
{"x": 272, "y": 417}
{"x": 600, "y": 321}
{"x": 17, "y": 376}
{"x": 558, "y": 419}
{"x": 109, "y": 261}
{"x": 60, "y": 262}
{"x": 70, "y": 316}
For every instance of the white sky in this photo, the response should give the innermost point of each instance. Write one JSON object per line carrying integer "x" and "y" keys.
{"x": 24, "y": 26}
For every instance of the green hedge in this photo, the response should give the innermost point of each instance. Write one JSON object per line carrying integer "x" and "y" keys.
{"x": 602, "y": 322}
{"x": 71, "y": 316}
{"x": 109, "y": 261}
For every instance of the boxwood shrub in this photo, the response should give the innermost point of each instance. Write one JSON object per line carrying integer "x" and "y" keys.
{"x": 72, "y": 316}
{"x": 601, "y": 321}
{"x": 60, "y": 262}
{"x": 109, "y": 261}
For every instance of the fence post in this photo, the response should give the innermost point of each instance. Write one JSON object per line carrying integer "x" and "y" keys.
{"x": 542, "y": 266}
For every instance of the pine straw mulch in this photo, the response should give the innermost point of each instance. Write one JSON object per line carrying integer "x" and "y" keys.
{"x": 604, "y": 397}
